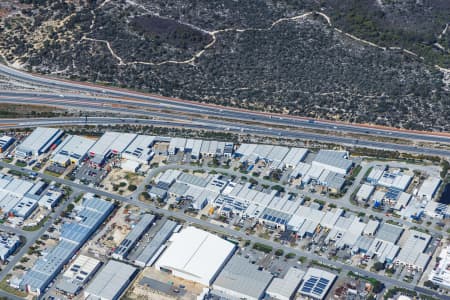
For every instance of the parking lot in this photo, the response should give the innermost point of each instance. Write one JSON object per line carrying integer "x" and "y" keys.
{"x": 90, "y": 175}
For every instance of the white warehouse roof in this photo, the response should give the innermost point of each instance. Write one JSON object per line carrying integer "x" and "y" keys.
{"x": 195, "y": 255}
{"x": 140, "y": 148}
{"x": 74, "y": 147}
{"x": 429, "y": 187}
{"x": 39, "y": 140}
{"x": 285, "y": 288}
{"x": 294, "y": 157}
{"x": 365, "y": 191}
{"x": 112, "y": 141}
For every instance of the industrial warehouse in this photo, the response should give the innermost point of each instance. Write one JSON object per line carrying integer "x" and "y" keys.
{"x": 189, "y": 249}
{"x": 39, "y": 142}
{"x": 92, "y": 212}
{"x": 20, "y": 197}
{"x": 174, "y": 203}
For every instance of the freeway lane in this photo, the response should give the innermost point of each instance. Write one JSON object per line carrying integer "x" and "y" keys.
{"x": 99, "y": 102}
{"x": 216, "y": 228}
{"x": 221, "y": 111}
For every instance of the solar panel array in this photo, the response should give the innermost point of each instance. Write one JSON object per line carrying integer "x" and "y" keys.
{"x": 274, "y": 219}
{"x": 315, "y": 285}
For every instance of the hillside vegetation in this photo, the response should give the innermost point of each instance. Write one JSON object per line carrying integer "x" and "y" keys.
{"x": 375, "y": 61}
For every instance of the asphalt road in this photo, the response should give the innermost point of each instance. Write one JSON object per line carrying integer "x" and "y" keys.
{"x": 228, "y": 231}
{"x": 110, "y": 95}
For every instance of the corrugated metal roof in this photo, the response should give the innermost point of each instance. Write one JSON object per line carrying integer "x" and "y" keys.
{"x": 244, "y": 278}
{"x": 157, "y": 241}
{"x": 94, "y": 212}
{"x": 130, "y": 240}
{"x": 111, "y": 280}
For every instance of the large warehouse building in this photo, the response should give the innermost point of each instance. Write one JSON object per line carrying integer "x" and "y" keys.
{"x": 242, "y": 280}
{"x": 195, "y": 255}
{"x": 110, "y": 143}
{"x": 335, "y": 161}
{"x": 140, "y": 150}
{"x": 111, "y": 281}
{"x": 38, "y": 142}
{"x": 72, "y": 150}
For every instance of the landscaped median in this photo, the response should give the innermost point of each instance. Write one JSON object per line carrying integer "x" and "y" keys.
{"x": 262, "y": 247}
{"x": 37, "y": 226}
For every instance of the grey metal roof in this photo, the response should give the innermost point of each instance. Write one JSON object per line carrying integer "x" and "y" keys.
{"x": 158, "y": 192}
{"x": 40, "y": 138}
{"x": 390, "y": 233}
{"x": 286, "y": 286}
{"x": 363, "y": 243}
{"x": 130, "y": 240}
{"x": 242, "y": 277}
{"x": 192, "y": 180}
{"x": 112, "y": 141}
{"x": 335, "y": 180}
{"x": 333, "y": 158}
{"x": 46, "y": 268}
{"x": 160, "y": 238}
{"x": 67, "y": 286}
{"x": 111, "y": 280}
{"x": 179, "y": 188}
{"x": 74, "y": 146}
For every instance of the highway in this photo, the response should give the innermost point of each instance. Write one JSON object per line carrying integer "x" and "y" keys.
{"x": 223, "y": 230}
{"x": 108, "y": 95}
{"x": 213, "y": 125}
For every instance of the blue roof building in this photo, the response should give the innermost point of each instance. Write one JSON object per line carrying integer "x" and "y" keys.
{"x": 91, "y": 215}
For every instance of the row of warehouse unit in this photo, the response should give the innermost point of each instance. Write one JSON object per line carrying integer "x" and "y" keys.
{"x": 89, "y": 216}
{"x": 288, "y": 213}
{"x": 388, "y": 188}
{"x": 19, "y": 197}
{"x": 227, "y": 197}
{"x": 328, "y": 169}
{"x": 5, "y": 143}
{"x": 199, "y": 148}
{"x": 134, "y": 236}
{"x": 152, "y": 250}
{"x": 279, "y": 157}
{"x": 73, "y": 149}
